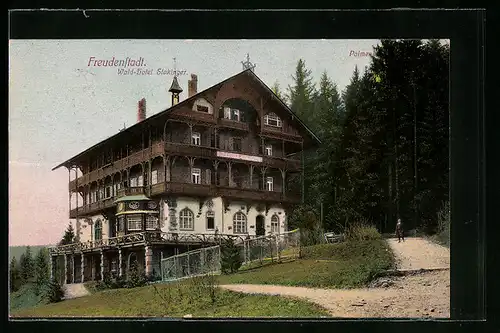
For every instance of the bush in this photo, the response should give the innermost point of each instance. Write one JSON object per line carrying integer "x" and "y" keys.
{"x": 361, "y": 230}
{"x": 231, "y": 260}
{"x": 136, "y": 277}
{"x": 55, "y": 292}
{"x": 443, "y": 216}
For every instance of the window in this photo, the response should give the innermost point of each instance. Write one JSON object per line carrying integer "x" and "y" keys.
{"x": 208, "y": 176}
{"x": 269, "y": 150}
{"x": 114, "y": 189}
{"x": 151, "y": 222}
{"x": 87, "y": 197}
{"x": 210, "y": 220}
{"x": 101, "y": 194}
{"x": 134, "y": 222}
{"x": 196, "y": 176}
{"x": 269, "y": 184}
{"x": 196, "y": 139}
{"x": 239, "y": 223}
{"x": 271, "y": 119}
{"x": 140, "y": 182}
{"x": 154, "y": 177}
{"x": 133, "y": 182}
{"x": 98, "y": 230}
{"x": 236, "y": 144}
{"x": 275, "y": 224}
{"x": 109, "y": 191}
{"x": 202, "y": 108}
{"x": 235, "y": 114}
{"x": 227, "y": 113}
{"x": 186, "y": 219}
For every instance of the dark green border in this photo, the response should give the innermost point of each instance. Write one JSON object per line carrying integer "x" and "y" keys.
{"x": 464, "y": 28}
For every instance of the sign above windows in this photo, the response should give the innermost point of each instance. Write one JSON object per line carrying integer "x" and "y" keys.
{"x": 242, "y": 157}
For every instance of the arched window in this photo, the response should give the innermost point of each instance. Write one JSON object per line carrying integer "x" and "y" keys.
{"x": 275, "y": 224}
{"x": 186, "y": 219}
{"x": 239, "y": 223}
{"x": 271, "y": 119}
{"x": 98, "y": 230}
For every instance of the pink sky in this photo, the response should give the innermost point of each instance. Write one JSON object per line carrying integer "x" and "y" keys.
{"x": 40, "y": 213}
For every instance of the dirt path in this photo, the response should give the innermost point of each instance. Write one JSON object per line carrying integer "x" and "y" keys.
{"x": 75, "y": 290}
{"x": 417, "y": 253}
{"x": 413, "y": 296}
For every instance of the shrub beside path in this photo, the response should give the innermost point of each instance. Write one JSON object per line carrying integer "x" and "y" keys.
{"x": 412, "y": 296}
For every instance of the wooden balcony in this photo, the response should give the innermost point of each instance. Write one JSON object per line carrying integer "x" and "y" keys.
{"x": 130, "y": 191}
{"x": 93, "y": 208}
{"x": 282, "y": 163}
{"x": 189, "y": 150}
{"x": 222, "y": 122}
{"x": 172, "y": 148}
{"x": 280, "y": 133}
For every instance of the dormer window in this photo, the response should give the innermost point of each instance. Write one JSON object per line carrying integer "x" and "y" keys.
{"x": 202, "y": 105}
{"x": 271, "y": 119}
{"x": 202, "y": 108}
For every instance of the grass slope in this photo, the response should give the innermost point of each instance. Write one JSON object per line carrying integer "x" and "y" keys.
{"x": 174, "y": 300}
{"x": 346, "y": 265}
{"x": 25, "y": 297}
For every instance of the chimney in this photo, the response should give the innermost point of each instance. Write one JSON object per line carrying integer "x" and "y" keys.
{"x": 193, "y": 85}
{"x": 141, "y": 110}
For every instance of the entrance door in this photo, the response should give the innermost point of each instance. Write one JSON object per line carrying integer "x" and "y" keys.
{"x": 260, "y": 229}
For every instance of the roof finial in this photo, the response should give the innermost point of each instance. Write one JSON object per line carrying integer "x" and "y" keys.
{"x": 175, "y": 68}
{"x": 247, "y": 64}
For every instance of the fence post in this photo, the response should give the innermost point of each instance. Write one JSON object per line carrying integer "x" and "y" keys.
{"x": 278, "y": 250}
{"x": 245, "y": 245}
{"x": 202, "y": 261}
{"x": 219, "y": 265}
{"x": 188, "y": 271}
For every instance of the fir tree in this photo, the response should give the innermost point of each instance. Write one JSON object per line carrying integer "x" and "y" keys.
{"x": 231, "y": 259}
{"x": 69, "y": 236}
{"x": 15, "y": 275}
{"x": 301, "y": 93}
{"x": 55, "y": 292}
{"x": 42, "y": 271}
{"x": 277, "y": 90}
{"x": 27, "y": 266}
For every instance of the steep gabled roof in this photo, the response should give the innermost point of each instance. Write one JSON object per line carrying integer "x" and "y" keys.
{"x": 136, "y": 126}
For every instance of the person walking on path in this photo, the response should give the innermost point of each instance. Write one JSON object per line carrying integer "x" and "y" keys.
{"x": 399, "y": 231}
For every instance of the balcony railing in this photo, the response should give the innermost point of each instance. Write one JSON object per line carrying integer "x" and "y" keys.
{"x": 130, "y": 191}
{"x": 233, "y": 124}
{"x": 190, "y": 150}
{"x": 144, "y": 237}
{"x": 91, "y": 208}
{"x": 173, "y": 148}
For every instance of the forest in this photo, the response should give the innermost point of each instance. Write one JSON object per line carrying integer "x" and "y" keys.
{"x": 385, "y": 140}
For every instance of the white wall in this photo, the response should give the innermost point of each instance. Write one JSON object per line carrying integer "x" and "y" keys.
{"x": 87, "y": 230}
{"x": 223, "y": 220}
